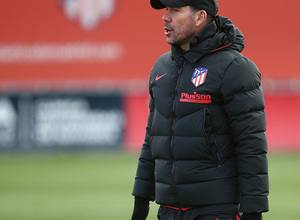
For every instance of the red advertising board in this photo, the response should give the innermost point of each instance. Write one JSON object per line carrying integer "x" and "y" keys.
{"x": 60, "y": 40}
{"x": 283, "y": 119}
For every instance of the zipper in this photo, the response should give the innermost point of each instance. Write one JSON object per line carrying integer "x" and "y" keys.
{"x": 217, "y": 152}
{"x": 180, "y": 70}
{"x": 179, "y": 213}
{"x": 180, "y": 210}
{"x": 211, "y": 140}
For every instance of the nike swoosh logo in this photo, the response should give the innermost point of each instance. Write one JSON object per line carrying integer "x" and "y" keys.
{"x": 158, "y": 77}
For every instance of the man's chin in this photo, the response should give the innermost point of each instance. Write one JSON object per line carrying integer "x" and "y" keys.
{"x": 173, "y": 43}
{"x": 169, "y": 41}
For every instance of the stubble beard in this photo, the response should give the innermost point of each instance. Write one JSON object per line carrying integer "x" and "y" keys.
{"x": 182, "y": 36}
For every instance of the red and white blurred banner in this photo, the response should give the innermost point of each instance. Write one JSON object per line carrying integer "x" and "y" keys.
{"x": 84, "y": 40}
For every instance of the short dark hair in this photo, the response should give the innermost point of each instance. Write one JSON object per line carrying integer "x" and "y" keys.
{"x": 210, "y": 18}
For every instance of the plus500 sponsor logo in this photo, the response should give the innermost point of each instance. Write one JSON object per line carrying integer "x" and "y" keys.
{"x": 195, "y": 98}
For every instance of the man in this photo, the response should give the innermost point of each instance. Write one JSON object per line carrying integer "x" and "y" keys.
{"x": 205, "y": 152}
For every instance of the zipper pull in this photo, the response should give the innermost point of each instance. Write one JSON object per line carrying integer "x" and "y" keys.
{"x": 180, "y": 211}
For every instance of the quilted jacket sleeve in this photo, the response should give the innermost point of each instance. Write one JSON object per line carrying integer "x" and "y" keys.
{"x": 144, "y": 185}
{"x": 244, "y": 106}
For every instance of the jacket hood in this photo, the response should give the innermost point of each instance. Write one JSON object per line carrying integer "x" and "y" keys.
{"x": 218, "y": 35}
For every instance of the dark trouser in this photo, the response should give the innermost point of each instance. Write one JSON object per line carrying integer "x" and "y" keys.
{"x": 213, "y": 212}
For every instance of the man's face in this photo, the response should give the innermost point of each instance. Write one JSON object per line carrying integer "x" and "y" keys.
{"x": 179, "y": 26}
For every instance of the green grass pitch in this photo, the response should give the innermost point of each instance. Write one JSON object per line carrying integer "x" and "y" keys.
{"x": 98, "y": 186}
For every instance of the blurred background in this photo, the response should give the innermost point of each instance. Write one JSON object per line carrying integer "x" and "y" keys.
{"x": 74, "y": 101}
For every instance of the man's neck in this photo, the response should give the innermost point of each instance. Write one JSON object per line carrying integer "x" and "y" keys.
{"x": 185, "y": 47}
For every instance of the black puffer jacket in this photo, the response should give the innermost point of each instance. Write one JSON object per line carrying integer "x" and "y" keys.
{"x": 205, "y": 140}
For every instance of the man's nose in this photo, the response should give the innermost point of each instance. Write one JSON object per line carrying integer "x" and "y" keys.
{"x": 166, "y": 17}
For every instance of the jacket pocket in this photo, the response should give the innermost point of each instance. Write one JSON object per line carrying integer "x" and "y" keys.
{"x": 210, "y": 137}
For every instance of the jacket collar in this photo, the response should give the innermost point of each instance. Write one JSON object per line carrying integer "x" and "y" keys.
{"x": 218, "y": 35}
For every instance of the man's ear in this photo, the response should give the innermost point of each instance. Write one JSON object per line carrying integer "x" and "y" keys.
{"x": 200, "y": 18}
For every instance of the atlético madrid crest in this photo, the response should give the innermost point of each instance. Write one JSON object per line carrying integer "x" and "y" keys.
{"x": 199, "y": 76}
{"x": 88, "y": 13}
